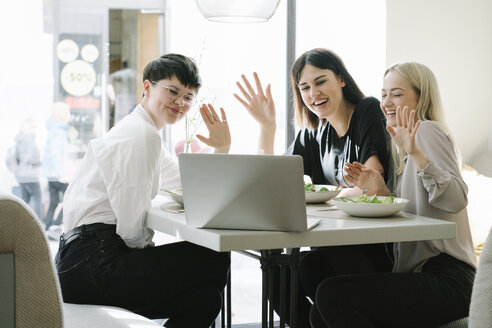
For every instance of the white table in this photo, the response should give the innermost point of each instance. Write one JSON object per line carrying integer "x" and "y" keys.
{"x": 335, "y": 228}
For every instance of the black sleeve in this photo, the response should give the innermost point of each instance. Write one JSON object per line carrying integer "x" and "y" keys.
{"x": 302, "y": 146}
{"x": 372, "y": 138}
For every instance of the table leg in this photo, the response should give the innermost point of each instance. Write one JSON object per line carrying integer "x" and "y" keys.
{"x": 283, "y": 283}
{"x": 229, "y": 302}
{"x": 222, "y": 314}
{"x": 294, "y": 286}
{"x": 270, "y": 293}
{"x": 264, "y": 297}
{"x": 268, "y": 260}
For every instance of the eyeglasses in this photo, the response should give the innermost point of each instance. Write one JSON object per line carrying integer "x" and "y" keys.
{"x": 188, "y": 99}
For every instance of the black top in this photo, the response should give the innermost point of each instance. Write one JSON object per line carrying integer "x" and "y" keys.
{"x": 325, "y": 154}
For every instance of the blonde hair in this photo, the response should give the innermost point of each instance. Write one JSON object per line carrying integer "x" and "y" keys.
{"x": 61, "y": 111}
{"x": 429, "y": 106}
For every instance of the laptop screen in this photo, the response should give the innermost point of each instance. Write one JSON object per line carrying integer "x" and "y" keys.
{"x": 254, "y": 192}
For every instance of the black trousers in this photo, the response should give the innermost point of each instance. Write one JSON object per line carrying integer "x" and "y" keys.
{"x": 321, "y": 263}
{"x": 31, "y": 194}
{"x": 56, "y": 190}
{"x": 180, "y": 281}
{"x": 439, "y": 294}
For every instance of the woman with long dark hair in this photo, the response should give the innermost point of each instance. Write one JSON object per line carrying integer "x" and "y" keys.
{"x": 337, "y": 124}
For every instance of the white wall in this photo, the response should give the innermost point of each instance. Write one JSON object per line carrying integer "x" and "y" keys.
{"x": 354, "y": 29}
{"x": 454, "y": 39}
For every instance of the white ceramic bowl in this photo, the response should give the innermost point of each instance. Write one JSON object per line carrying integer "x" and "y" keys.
{"x": 371, "y": 210}
{"x": 176, "y": 195}
{"x": 313, "y": 197}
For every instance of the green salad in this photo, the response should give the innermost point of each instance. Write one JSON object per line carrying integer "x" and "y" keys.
{"x": 311, "y": 188}
{"x": 368, "y": 199}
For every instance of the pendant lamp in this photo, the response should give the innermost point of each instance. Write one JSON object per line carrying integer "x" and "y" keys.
{"x": 237, "y": 11}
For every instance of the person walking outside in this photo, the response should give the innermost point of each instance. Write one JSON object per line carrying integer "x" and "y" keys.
{"x": 55, "y": 153}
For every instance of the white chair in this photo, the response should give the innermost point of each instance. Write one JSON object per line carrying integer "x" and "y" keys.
{"x": 483, "y": 163}
{"x": 29, "y": 291}
{"x": 481, "y": 303}
{"x": 480, "y": 315}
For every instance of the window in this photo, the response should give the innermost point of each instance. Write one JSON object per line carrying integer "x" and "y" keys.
{"x": 354, "y": 29}
{"x": 29, "y": 68}
{"x": 224, "y": 52}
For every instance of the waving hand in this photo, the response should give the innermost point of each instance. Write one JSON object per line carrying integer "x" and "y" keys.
{"x": 258, "y": 103}
{"x": 404, "y": 132}
{"x": 219, "y": 133}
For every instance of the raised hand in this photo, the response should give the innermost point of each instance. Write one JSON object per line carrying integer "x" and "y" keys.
{"x": 258, "y": 103}
{"x": 367, "y": 179}
{"x": 219, "y": 133}
{"x": 406, "y": 129}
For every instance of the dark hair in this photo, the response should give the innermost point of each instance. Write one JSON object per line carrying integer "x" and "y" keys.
{"x": 323, "y": 59}
{"x": 170, "y": 65}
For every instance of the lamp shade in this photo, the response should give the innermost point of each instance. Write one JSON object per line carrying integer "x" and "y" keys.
{"x": 237, "y": 11}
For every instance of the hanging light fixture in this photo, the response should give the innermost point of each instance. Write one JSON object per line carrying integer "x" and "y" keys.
{"x": 237, "y": 11}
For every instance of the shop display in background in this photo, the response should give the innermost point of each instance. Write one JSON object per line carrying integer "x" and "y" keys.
{"x": 122, "y": 91}
{"x": 79, "y": 85}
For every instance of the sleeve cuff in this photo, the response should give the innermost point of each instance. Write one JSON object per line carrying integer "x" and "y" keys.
{"x": 429, "y": 174}
{"x": 425, "y": 169}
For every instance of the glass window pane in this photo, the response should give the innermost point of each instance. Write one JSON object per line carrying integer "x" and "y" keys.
{"x": 224, "y": 52}
{"x": 354, "y": 29}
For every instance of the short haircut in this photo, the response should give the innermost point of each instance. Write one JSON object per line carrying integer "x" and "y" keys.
{"x": 323, "y": 59}
{"x": 173, "y": 65}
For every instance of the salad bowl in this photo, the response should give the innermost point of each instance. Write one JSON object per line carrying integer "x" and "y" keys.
{"x": 370, "y": 206}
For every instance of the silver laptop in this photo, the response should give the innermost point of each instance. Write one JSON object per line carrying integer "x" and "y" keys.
{"x": 252, "y": 192}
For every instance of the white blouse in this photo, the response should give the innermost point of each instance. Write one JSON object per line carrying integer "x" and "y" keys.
{"x": 118, "y": 178}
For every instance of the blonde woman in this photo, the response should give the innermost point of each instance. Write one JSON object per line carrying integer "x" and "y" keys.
{"x": 431, "y": 281}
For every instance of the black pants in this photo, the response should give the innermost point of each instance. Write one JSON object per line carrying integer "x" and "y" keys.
{"x": 180, "y": 281}
{"x": 324, "y": 262}
{"x": 439, "y": 294}
{"x": 56, "y": 189}
{"x": 31, "y": 194}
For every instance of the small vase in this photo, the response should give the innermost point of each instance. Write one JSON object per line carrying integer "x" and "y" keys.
{"x": 184, "y": 146}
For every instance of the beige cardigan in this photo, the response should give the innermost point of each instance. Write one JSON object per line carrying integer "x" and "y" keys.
{"x": 437, "y": 191}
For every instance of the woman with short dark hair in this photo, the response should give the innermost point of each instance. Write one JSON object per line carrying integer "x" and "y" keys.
{"x": 106, "y": 255}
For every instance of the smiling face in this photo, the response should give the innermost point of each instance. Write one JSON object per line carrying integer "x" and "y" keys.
{"x": 321, "y": 90}
{"x": 396, "y": 91}
{"x": 165, "y": 100}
